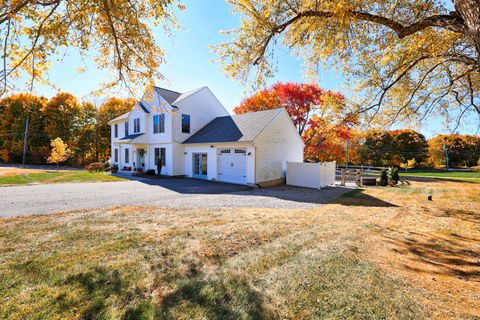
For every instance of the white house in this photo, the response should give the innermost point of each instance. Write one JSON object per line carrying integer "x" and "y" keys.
{"x": 193, "y": 135}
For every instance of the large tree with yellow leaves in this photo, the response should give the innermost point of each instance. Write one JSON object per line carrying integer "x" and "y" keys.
{"x": 408, "y": 58}
{"x": 117, "y": 32}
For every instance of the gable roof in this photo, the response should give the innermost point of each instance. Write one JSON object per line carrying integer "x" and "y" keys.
{"x": 121, "y": 117}
{"x": 236, "y": 128}
{"x": 186, "y": 94}
{"x": 168, "y": 95}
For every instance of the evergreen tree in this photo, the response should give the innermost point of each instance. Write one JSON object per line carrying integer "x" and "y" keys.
{"x": 383, "y": 178}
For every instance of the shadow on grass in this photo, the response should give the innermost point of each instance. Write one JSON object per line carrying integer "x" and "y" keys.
{"x": 231, "y": 298}
{"x": 449, "y": 254}
{"x": 193, "y": 297}
{"x": 358, "y": 198}
{"x": 465, "y": 215}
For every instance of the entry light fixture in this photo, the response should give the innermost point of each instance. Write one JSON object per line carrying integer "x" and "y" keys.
{"x": 185, "y": 152}
{"x": 211, "y": 146}
{"x": 249, "y": 154}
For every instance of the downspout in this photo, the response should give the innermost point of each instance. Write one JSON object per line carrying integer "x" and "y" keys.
{"x": 255, "y": 185}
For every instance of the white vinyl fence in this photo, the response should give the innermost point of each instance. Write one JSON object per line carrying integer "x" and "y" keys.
{"x": 311, "y": 175}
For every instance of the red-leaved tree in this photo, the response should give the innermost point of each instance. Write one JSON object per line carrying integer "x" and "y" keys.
{"x": 317, "y": 114}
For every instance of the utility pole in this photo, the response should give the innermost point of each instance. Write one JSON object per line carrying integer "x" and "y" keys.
{"x": 446, "y": 155}
{"x": 346, "y": 154}
{"x": 25, "y": 142}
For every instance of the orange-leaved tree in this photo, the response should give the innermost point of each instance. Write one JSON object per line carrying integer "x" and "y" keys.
{"x": 317, "y": 114}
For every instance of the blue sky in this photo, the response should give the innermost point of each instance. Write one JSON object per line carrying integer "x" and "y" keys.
{"x": 189, "y": 61}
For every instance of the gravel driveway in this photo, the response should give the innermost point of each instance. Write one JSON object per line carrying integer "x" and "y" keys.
{"x": 167, "y": 192}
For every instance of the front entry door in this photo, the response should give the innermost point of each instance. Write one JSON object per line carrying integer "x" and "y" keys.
{"x": 140, "y": 159}
{"x": 200, "y": 165}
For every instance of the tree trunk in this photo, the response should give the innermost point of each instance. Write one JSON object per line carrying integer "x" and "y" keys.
{"x": 469, "y": 10}
{"x": 57, "y": 166}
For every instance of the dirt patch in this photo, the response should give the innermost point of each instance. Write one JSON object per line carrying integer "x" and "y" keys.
{"x": 10, "y": 172}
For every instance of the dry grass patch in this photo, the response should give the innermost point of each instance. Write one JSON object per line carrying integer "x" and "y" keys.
{"x": 376, "y": 253}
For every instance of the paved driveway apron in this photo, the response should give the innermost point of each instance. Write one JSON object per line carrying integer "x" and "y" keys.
{"x": 168, "y": 192}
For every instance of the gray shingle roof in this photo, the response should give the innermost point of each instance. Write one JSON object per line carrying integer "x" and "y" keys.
{"x": 169, "y": 95}
{"x": 236, "y": 128}
{"x": 132, "y": 136}
{"x": 144, "y": 108}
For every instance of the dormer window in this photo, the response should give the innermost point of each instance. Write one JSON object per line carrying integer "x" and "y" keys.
{"x": 185, "y": 123}
{"x": 136, "y": 125}
{"x": 126, "y": 128}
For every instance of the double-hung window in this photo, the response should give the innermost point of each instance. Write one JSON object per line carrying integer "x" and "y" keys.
{"x": 126, "y": 128}
{"x": 160, "y": 153}
{"x": 115, "y": 155}
{"x": 159, "y": 123}
{"x": 115, "y": 130}
{"x": 136, "y": 125}
{"x": 127, "y": 154}
{"x": 185, "y": 123}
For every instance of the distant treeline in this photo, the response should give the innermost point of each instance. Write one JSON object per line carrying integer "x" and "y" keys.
{"x": 390, "y": 148}
{"x": 81, "y": 125}
{"x": 85, "y": 130}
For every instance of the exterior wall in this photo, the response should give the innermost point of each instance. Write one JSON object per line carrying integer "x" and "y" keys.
{"x": 278, "y": 143}
{"x": 121, "y": 155}
{"x": 178, "y": 159}
{"x": 162, "y": 137}
{"x": 135, "y": 113}
{"x": 166, "y": 170}
{"x": 202, "y": 107}
{"x": 157, "y": 107}
{"x": 212, "y": 158}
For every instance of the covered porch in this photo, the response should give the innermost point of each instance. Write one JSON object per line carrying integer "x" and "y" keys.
{"x": 132, "y": 154}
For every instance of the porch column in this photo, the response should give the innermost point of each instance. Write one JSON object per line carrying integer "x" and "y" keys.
{"x": 119, "y": 157}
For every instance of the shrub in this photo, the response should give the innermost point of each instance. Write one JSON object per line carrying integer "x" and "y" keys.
{"x": 96, "y": 167}
{"x": 4, "y": 156}
{"x": 394, "y": 175}
{"x": 383, "y": 178}
{"x": 150, "y": 172}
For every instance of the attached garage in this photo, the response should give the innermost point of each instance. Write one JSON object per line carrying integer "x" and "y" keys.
{"x": 250, "y": 148}
{"x": 232, "y": 165}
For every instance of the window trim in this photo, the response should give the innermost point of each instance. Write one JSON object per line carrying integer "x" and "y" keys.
{"x": 184, "y": 125}
{"x": 115, "y": 130}
{"x": 161, "y": 123}
{"x": 161, "y": 155}
{"x": 126, "y": 128}
{"x": 136, "y": 125}
{"x": 160, "y": 126}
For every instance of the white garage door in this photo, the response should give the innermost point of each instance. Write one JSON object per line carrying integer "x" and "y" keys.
{"x": 232, "y": 165}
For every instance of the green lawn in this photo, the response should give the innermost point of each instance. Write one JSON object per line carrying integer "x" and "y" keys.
{"x": 443, "y": 174}
{"x": 469, "y": 176}
{"x": 56, "y": 177}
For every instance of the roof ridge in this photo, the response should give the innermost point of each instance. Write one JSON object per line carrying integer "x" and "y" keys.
{"x": 167, "y": 89}
{"x": 267, "y": 110}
